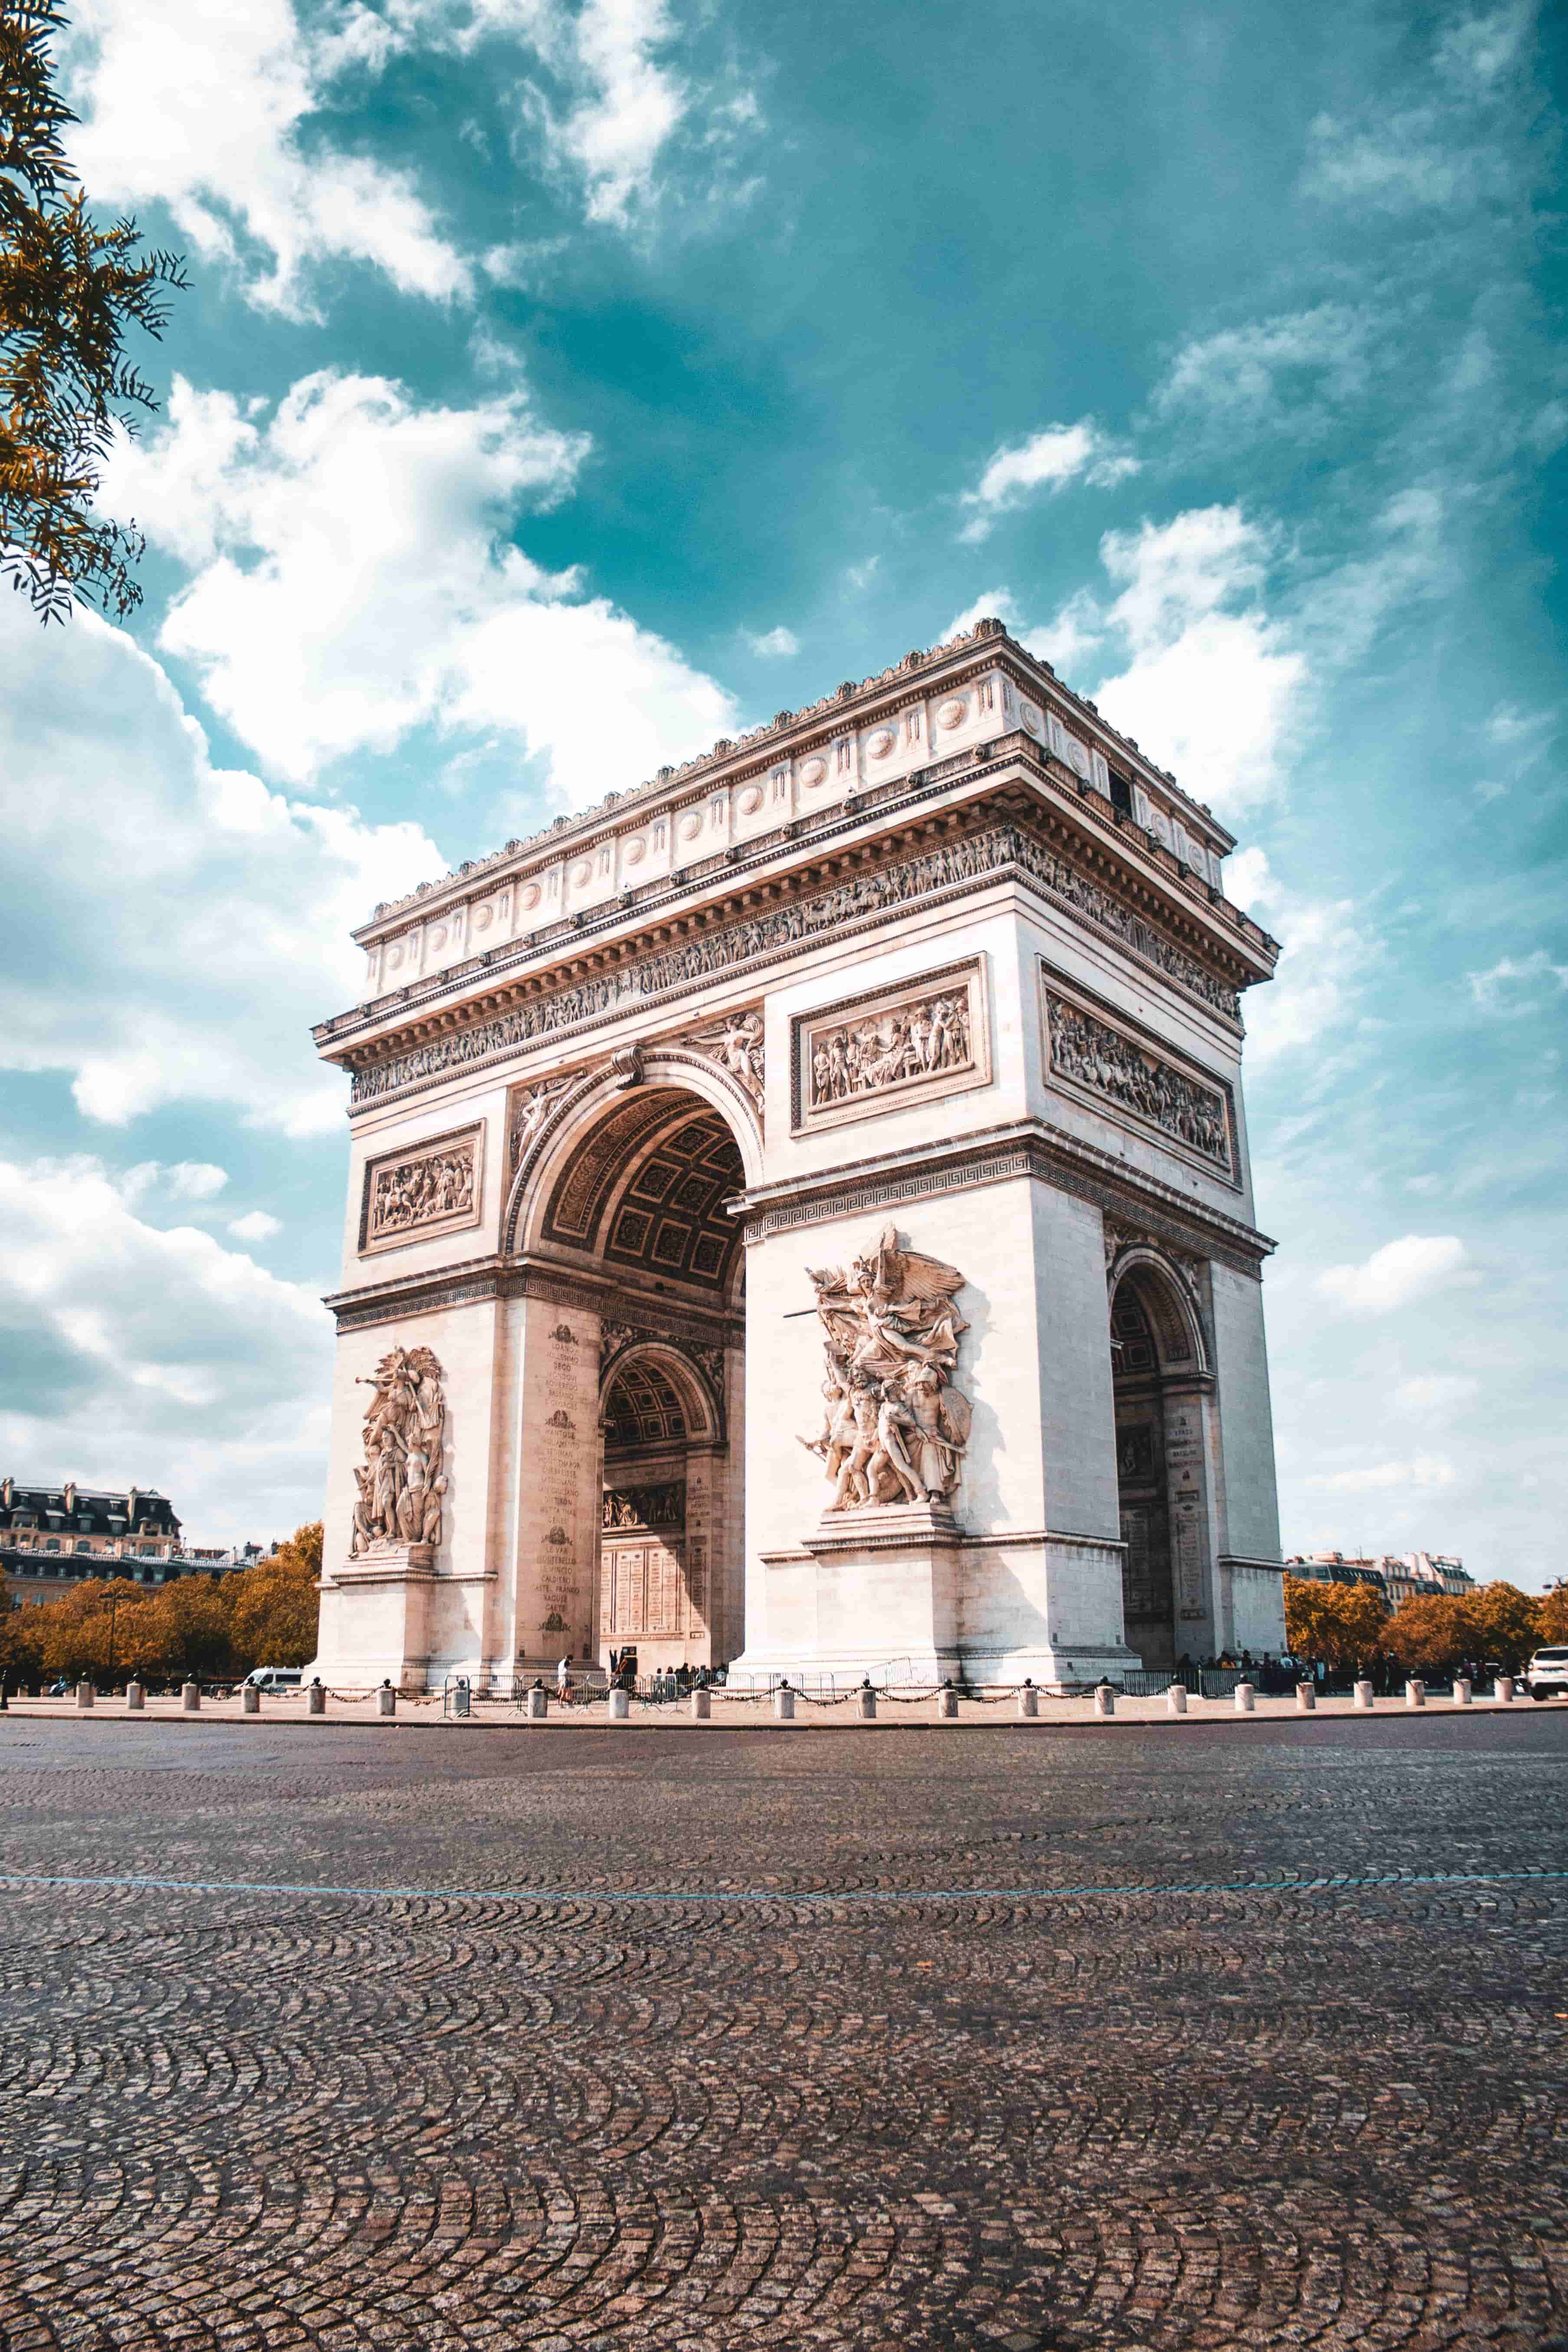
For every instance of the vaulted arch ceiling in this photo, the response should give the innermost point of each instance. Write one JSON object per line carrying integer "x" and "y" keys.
{"x": 646, "y": 1190}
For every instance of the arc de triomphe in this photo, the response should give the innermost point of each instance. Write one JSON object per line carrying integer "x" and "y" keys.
{"x": 799, "y": 1215}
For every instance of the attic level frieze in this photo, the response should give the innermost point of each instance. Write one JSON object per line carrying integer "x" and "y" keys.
{"x": 853, "y": 891}
{"x": 780, "y": 861}
{"x": 797, "y": 768}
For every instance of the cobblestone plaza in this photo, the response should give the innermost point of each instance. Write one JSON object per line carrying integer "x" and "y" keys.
{"x": 753, "y": 2068}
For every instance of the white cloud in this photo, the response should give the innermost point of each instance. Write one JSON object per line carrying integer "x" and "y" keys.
{"x": 991, "y": 605}
{"x": 353, "y": 581}
{"x": 773, "y": 645}
{"x": 202, "y": 106}
{"x": 1401, "y": 1272}
{"x": 1436, "y": 1392}
{"x": 195, "y": 1180}
{"x": 255, "y": 1225}
{"x": 156, "y": 1355}
{"x": 1326, "y": 948}
{"x": 1277, "y": 371}
{"x": 1519, "y": 984}
{"x": 1213, "y": 683}
{"x": 1048, "y": 460}
{"x": 1426, "y": 1470}
{"x": 623, "y": 109}
{"x": 194, "y": 923}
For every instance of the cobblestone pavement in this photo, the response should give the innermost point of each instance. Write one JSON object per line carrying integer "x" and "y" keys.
{"x": 730, "y": 2117}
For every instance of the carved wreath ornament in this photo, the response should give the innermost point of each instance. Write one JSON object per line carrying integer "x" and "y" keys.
{"x": 895, "y": 1429}
{"x": 404, "y": 1477}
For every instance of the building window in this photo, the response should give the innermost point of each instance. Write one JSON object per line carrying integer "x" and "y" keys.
{"x": 53, "y": 1544}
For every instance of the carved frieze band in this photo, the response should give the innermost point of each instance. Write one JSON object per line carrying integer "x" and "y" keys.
{"x": 772, "y": 932}
{"x": 1124, "y": 1069}
{"x": 880, "y": 1050}
{"x": 424, "y": 1190}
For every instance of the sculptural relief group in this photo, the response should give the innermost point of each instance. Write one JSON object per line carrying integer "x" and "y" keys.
{"x": 402, "y": 1478}
{"x": 887, "y": 1049}
{"x": 895, "y": 1428}
{"x": 421, "y": 1191}
{"x": 1095, "y": 1056}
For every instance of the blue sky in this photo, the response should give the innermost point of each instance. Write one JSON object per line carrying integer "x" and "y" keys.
{"x": 564, "y": 386}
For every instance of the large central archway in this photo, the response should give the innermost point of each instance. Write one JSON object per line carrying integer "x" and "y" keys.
{"x": 626, "y": 1189}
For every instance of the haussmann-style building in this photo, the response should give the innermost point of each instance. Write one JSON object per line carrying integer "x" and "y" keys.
{"x": 799, "y": 1217}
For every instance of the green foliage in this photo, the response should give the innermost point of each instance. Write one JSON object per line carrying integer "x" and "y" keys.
{"x": 70, "y": 292}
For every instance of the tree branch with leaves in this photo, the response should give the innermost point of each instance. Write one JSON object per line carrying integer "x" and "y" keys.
{"x": 70, "y": 293}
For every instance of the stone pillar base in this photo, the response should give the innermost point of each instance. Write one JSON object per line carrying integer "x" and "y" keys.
{"x": 378, "y": 1606}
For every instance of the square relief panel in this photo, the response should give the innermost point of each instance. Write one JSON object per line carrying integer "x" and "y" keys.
{"x": 430, "y": 1188}
{"x": 919, "y": 1039}
{"x": 1109, "y": 1062}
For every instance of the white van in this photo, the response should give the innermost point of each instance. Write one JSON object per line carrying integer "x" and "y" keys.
{"x": 276, "y": 1678}
{"x": 1547, "y": 1673}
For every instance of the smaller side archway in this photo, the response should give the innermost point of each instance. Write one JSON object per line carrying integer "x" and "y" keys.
{"x": 1163, "y": 1394}
{"x": 662, "y": 1591}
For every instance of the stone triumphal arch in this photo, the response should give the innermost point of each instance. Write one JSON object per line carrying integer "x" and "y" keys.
{"x": 799, "y": 1216}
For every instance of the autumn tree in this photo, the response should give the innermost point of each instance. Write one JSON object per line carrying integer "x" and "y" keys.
{"x": 1339, "y": 1626}
{"x": 1507, "y": 1624}
{"x": 273, "y": 1606}
{"x": 71, "y": 291}
{"x": 96, "y": 1633}
{"x": 1552, "y": 1616}
{"x": 1432, "y": 1635}
{"x": 191, "y": 1625}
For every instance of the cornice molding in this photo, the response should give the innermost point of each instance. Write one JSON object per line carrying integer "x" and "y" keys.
{"x": 639, "y": 918}
{"x": 1023, "y": 1148}
{"x": 482, "y": 1280}
{"x": 782, "y": 927}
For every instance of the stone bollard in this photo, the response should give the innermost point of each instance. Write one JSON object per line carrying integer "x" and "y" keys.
{"x": 386, "y": 1700}
{"x": 1364, "y": 1695}
{"x": 1461, "y": 1690}
{"x": 865, "y": 1704}
{"x": 316, "y": 1699}
{"x": 135, "y": 1698}
{"x": 1416, "y": 1693}
{"x": 1503, "y": 1688}
{"x": 1306, "y": 1698}
{"x": 701, "y": 1706}
{"x": 620, "y": 1706}
{"x": 1104, "y": 1699}
{"x": 538, "y": 1703}
{"x": 250, "y": 1700}
{"x": 1245, "y": 1697}
{"x": 1177, "y": 1699}
{"x": 85, "y": 1695}
{"x": 1029, "y": 1700}
{"x": 191, "y": 1697}
{"x": 947, "y": 1703}
{"x": 784, "y": 1704}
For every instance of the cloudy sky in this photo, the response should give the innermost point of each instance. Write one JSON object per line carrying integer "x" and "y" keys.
{"x": 564, "y": 385}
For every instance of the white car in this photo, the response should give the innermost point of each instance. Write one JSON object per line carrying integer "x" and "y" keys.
{"x": 282, "y": 1678}
{"x": 1547, "y": 1673}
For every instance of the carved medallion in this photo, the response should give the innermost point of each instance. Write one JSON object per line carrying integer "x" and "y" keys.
{"x": 874, "y": 1052}
{"x": 430, "y": 1188}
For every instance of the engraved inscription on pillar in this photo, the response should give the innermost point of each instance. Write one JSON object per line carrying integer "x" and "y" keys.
{"x": 1183, "y": 1458}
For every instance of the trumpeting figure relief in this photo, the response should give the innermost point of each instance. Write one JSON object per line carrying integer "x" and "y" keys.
{"x": 402, "y": 1479}
{"x": 894, "y": 1429}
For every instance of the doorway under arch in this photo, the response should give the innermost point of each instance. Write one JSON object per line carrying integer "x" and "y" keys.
{"x": 1160, "y": 1375}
